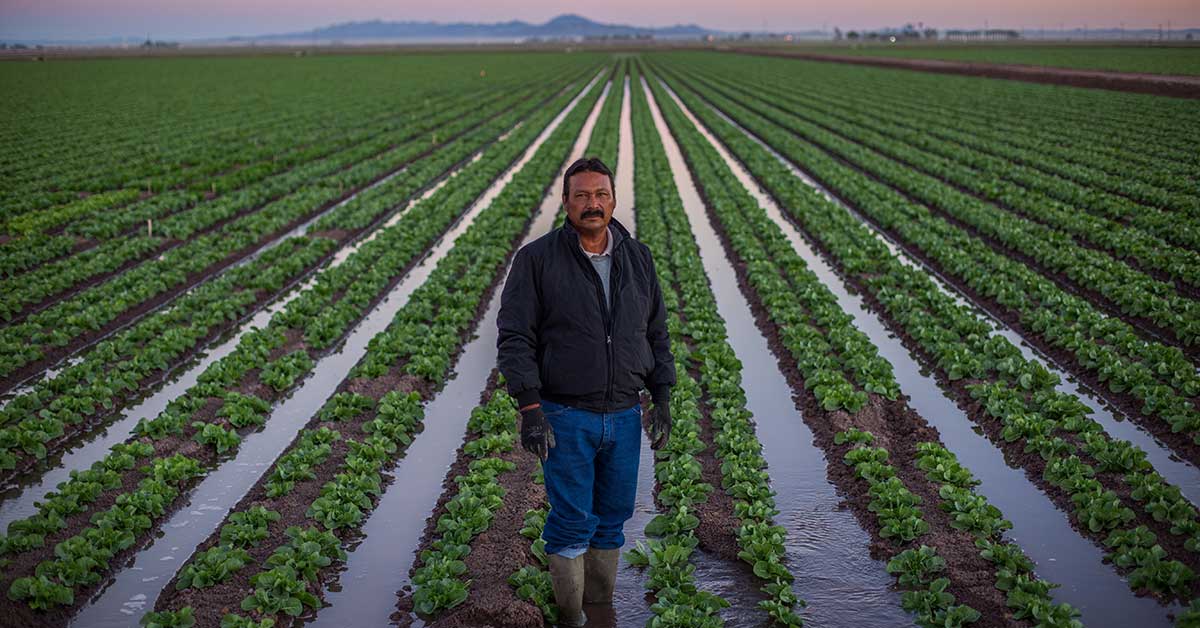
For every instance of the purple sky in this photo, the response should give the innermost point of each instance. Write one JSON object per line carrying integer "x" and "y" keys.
{"x": 182, "y": 19}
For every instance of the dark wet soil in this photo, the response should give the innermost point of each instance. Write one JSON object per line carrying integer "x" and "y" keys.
{"x": 1156, "y": 84}
{"x": 496, "y": 553}
{"x": 25, "y": 563}
{"x": 28, "y": 468}
{"x": 718, "y": 527}
{"x": 210, "y": 604}
{"x": 898, "y": 428}
{"x": 134, "y": 314}
{"x": 1150, "y": 329}
{"x": 1014, "y": 453}
{"x": 1130, "y": 406}
{"x": 1184, "y": 288}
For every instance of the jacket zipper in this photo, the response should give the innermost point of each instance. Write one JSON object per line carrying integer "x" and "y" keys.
{"x": 613, "y": 278}
{"x": 606, "y": 315}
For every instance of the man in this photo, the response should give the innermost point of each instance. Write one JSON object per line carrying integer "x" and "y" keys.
{"x": 582, "y": 331}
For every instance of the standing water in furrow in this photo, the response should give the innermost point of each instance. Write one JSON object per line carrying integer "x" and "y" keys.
{"x": 378, "y": 567}
{"x": 629, "y": 595}
{"x": 1039, "y": 527}
{"x": 827, "y": 549}
{"x": 19, "y": 498}
{"x": 1178, "y": 472}
{"x": 113, "y": 511}
{"x": 106, "y": 393}
{"x": 135, "y": 588}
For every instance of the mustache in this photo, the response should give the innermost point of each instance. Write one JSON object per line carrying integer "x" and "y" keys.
{"x": 592, "y": 212}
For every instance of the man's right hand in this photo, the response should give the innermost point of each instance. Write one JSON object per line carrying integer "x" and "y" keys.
{"x": 537, "y": 437}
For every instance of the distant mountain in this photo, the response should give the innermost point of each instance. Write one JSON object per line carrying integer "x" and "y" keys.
{"x": 561, "y": 27}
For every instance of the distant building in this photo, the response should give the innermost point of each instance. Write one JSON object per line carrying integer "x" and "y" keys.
{"x": 991, "y": 34}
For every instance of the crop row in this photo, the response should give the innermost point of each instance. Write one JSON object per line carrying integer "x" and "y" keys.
{"x": 1141, "y": 128}
{"x": 1047, "y": 199}
{"x": 1106, "y": 187}
{"x": 973, "y": 360}
{"x": 532, "y": 582}
{"x": 105, "y": 131}
{"x": 439, "y": 577}
{"x": 1089, "y": 154}
{"x": 1044, "y": 198}
{"x": 1136, "y": 296}
{"x": 29, "y": 208}
{"x": 43, "y": 197}
{"x": 1155, "y": 379}
{"x": 164, "y": 145}
{"x": 20, "y": 254}
{"x": 51, "y": 283}
{"x": 899, "y": 516}
{"x": 94, "y": 308}
{"x": 482, "y": 563}
{"x": 918, "y": 569}
{"x": 729, "y": 436}
{"x": 839, "y": 363}
{"x": 605, "y": 133}
{"x": 182, "y": 213}
{"x": 256, "y": 369}
{"x": 743, "y": 228}
{"x": 667, "y": 554}
{"x": 410, "y": 359}
{"x": 108, "y": 376}
{"x": 451, "y": 581}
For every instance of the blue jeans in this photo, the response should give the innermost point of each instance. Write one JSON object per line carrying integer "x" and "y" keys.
{"x": 591, "y": 477}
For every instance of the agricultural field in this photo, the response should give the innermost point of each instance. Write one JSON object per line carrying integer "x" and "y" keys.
{"x": 936, "y": 340}
{"x": 1179, "y": 59}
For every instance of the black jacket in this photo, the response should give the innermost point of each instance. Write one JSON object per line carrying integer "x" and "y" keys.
{"x": 558, "y": 340}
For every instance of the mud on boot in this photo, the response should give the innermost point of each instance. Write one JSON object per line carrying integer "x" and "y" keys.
{"x": 600, "y": 575}
{"x": 567, "y": 578}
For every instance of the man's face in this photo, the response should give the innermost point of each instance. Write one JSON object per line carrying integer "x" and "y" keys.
{"x": 589, "y": 201}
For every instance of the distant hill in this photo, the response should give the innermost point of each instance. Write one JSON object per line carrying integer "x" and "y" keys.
{"x": 561, "y": 27}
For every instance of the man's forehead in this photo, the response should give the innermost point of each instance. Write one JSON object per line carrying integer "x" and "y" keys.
{"x": 590, "y": 179}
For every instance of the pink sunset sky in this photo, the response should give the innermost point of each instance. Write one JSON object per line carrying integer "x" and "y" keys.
{"x": 184, "y": 19}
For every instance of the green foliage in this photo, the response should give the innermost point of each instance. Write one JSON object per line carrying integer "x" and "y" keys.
{"x": 279, "y": 590}
{"x": 231, "y": 620}
{"x": 1013, "y": 390}
{"x": 248, "y": 528}
{"x": 211, "y": 567}
{"x": 219, "y": 438}
{"x": 283, "y": 373}
{"x": 244, "y": 410}
{"x": 346, "y": 405}
{"x": 915, "y": 567}
{"x": 534, "y": 586}
{"x": 40, "y": 592}
{"x": 181, "y": 618}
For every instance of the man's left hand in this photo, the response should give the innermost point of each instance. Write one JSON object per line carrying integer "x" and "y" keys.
{"x": 660, "y": 425}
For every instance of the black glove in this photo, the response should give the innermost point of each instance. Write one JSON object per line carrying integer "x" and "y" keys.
{"x": 537, "y": 437}
{"x": 660, "y": 424}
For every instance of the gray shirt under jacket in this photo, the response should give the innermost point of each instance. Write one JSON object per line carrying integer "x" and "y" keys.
{"x": 602, "y": 262}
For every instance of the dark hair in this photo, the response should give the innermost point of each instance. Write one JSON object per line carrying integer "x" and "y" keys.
{"x": 587, "y": 164}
